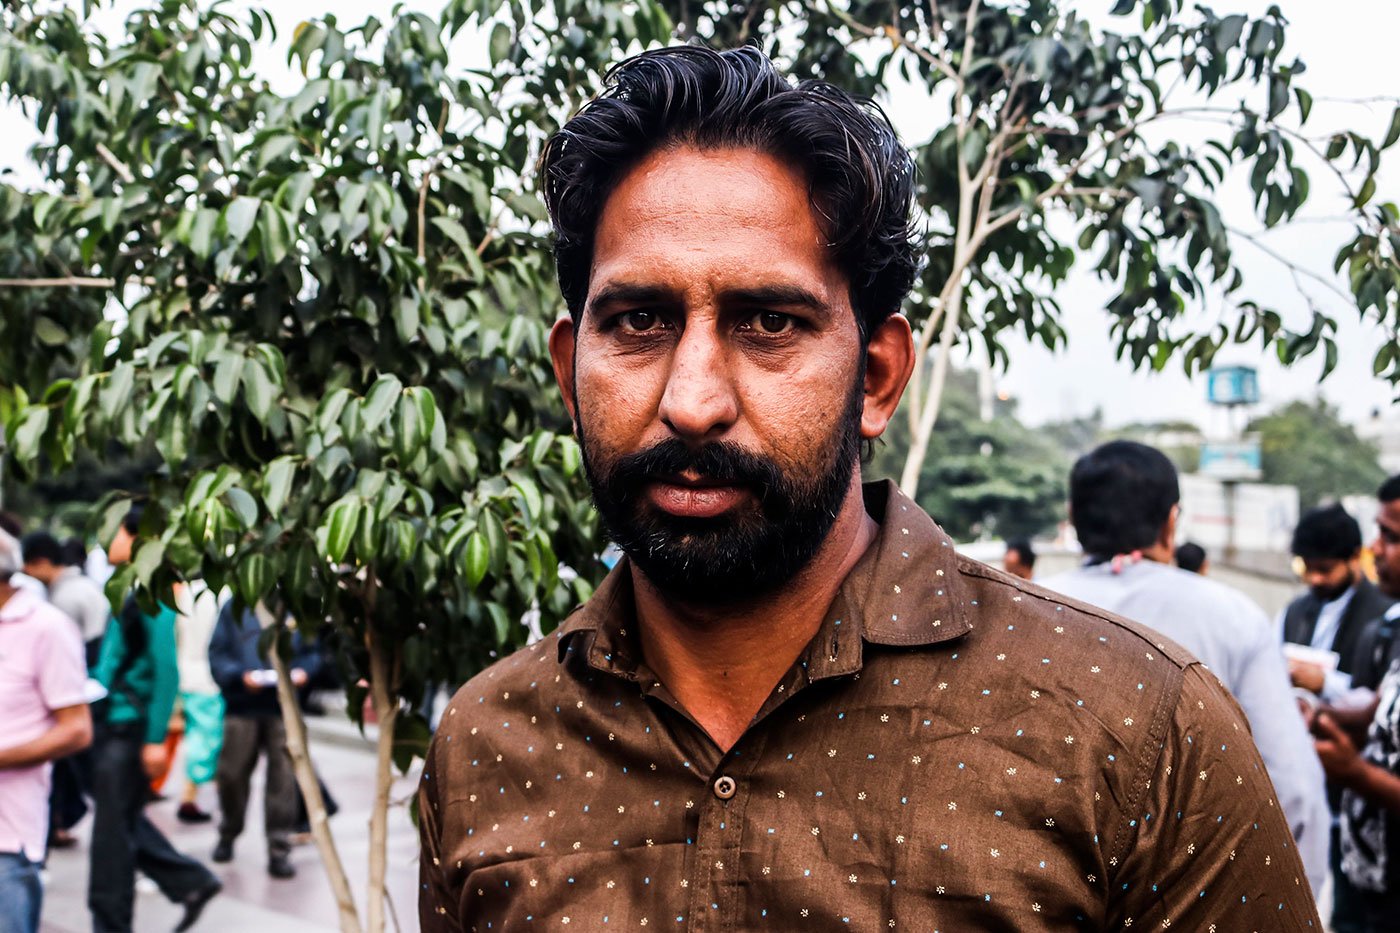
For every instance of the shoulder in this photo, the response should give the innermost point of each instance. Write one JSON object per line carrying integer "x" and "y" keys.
{"x": 528, "y": 677}
{"x": 1004, "y": 608}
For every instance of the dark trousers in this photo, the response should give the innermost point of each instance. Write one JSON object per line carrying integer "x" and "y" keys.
{"x": 246, "y": 738}
{"x": 123, "y": 840}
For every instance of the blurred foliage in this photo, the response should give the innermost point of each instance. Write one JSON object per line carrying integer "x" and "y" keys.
{"x": 1306, "y": 444}
{"x": 982, "y": 479}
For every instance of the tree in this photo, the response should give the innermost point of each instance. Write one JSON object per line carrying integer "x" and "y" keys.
{"x": 328, "y": 313}
{"x": 982, "y": 477}
{"x": 1051, "y": 144}
{"x": 1307, "y": 445}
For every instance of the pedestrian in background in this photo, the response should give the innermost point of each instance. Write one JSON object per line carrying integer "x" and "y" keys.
{"x": 47, "y": 560}
{"x": 137, "y": 667}
{"x": 1019, "y": 560}
{"x": 1340, "y": 602}
{"x": 201, "y": 701}
{"x": 1192, "y": 558}
{"x": 253, "y": 729}
{"x": 42, "y": 680}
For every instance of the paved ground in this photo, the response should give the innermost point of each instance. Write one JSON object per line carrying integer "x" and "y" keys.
{"x": 251, "y": 901}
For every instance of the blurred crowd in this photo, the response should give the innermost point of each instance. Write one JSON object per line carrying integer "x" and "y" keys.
{"x": 98, "y": 704}
{"x": 1319, "y": 684}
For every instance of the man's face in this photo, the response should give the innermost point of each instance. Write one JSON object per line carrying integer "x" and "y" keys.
{"x": 42, "y": 569}
{"x": 1386, "y": 547}
{"x": 1329, "y": 578}
{"x": 715, "y": 374}
{"x": 1015, "y": 565}
{"x": 119, "y": 551}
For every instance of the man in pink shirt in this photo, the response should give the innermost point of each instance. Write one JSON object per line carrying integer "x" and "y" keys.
{"x": 42, "y": 677}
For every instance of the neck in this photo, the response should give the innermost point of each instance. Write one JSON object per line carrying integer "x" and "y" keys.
{"x": 722, "y": 663}
{"x": 1159, "y": 553}
{"x": 6, "y": 591}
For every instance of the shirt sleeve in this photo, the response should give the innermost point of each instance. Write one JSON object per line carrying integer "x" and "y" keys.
{"x": 165, "y": 684}
{"x": 1263, "y": 691}
{"x": 437, "y": 907}
{"x": 62, "y": 671}
{"x": 1207, "y": 845}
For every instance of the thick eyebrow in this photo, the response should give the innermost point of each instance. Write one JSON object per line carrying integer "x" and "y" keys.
{"x": 629, "y": 293}
{"x": 779, "y": 296}
{"x": 775, "y": 296}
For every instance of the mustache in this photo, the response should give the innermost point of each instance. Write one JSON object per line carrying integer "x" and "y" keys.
{"x": 717, "y": 461}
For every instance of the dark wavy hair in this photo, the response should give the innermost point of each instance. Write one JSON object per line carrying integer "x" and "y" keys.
{"x": 1120, "y": 496}
{"x": 860, "y": 178}
{"x": 1326, "y": 532}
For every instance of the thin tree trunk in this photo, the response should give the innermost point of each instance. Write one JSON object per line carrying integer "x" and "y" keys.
{"x": 932, "y": 401}
{"x": 386, "y": 707}
{"x": 299, "y": 750}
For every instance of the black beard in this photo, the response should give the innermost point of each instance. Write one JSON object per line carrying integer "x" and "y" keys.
{"x": 742, "y": 554}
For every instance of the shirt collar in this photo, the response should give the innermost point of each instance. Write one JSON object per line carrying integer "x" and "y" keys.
{"x": 906, "y": 590}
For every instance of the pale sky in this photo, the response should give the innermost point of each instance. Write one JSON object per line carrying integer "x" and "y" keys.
{"x": 1349, "y": 48}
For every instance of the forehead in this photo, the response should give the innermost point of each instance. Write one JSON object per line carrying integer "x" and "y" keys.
{"x": 726, "y": 216}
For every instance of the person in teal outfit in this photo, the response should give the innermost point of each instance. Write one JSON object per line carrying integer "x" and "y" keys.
{"x": 136, "y": 664}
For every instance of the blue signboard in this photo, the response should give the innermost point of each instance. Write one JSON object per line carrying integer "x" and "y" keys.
{"x": 1231, "y": 460}
{"x": 1233, "y": 385}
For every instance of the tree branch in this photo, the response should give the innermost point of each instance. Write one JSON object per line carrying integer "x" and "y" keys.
{"x": 71, "y": 281}
{"x": 117, "y": 165}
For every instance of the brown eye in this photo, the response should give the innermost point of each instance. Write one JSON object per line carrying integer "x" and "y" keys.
{"x": 771, "y": 322}
{"x": 639, "y": 321}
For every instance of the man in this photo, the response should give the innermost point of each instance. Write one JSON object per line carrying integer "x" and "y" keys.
{"x": 42, "y": 679}
{"x": 74, "y": 594}
{"x": 1123, "y": 501}
{"x": 1368, "y": 853}
{"x": 82, "y": 600}
{"x": 253, "y": 728}
{"x": 1192, "y": 558}
{"x": 1019, "y": 560}
{"x": 1339, "y": 604}
{"x": 136, "y": 665}
{"x": 791, "y": 705}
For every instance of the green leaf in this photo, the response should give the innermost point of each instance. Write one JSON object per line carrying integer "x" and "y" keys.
{"x": 111, "y": 519}
{"x": 239, "y": 217}
{"x": 148, "y": 559}
{"x": 1392, "y": 135}
{"x": 30, "y": 433}
{"x": 49, "y": 333}
{"x": 476, "y": 559}
{"x": 500, "y": 43}
{"x": 344, "y": 517}
{"x": 259, "y": 391}
{"x": 244, "y": 506}
{"x": 406, "y": 317}
{"x": 227, "y": 375}
{"x": 255, "y": 578}
{"x": 380, "y": 401}
{"x": 117, "y": 392}
{"x": 277, "y": 483}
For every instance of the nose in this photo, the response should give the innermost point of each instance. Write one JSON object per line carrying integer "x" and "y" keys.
{"x": 699, "y": 403}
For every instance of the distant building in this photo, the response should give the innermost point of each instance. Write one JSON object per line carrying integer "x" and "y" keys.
{"x": 1383, "y": 430}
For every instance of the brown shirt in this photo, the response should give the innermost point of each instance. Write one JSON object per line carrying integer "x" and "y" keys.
{"x": 956, "y": 749}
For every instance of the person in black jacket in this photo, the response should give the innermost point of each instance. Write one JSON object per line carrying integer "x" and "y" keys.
{"x": 1340, "y": 604}
{"x": 253, "y": 728}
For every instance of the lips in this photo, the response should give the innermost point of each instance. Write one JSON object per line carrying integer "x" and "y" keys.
{"x": 695, "y": 497}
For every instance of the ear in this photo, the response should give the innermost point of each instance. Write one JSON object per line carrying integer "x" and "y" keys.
{"x": 561, "y": 353}
{"x": 1167, "y": 537}
{"x": 889, "y": 359}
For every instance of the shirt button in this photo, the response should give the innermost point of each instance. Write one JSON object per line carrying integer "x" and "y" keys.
{"x": 725, "y": 787}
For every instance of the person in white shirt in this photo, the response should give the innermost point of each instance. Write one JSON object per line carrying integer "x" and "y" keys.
{"x": 1124, "y": 505}
{"x": 70, "y": 591}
